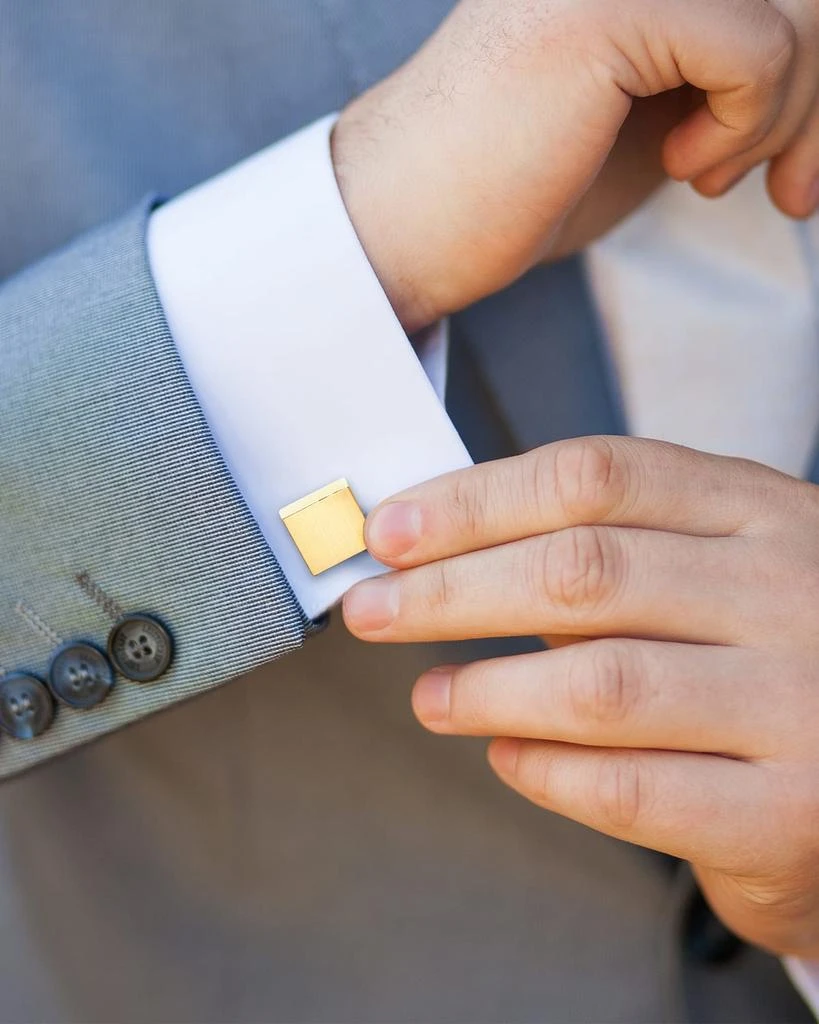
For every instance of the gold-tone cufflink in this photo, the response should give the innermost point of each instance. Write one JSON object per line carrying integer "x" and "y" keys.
{"x": 327, "y": 526}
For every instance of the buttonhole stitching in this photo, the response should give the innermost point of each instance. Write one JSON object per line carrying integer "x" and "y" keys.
{"x": 36, "y": 623}
{"x": 92, "y": 590}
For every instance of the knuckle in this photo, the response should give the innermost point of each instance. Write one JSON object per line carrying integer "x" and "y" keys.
{"x": 780, "y": 44}
{"x": 468, "y": 503}
{"x": 621, "y": 791}
{"x": 604, "y": 687}
{"x": 777, "y": 52}
{"x": 767, "y": 67}
{"x": 589, "y": 479}
{"x": 580, "y": 568}
{"x": 441, "y": 588}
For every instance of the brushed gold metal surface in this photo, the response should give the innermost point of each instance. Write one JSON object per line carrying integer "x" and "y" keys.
{"x": 327, "y": 526}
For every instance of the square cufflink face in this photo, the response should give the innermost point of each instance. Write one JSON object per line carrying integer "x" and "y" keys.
{"x": 327, "y": 526}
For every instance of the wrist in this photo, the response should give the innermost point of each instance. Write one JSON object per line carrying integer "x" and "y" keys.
{"x": 371, "y": 185}
{"x": 419, "y": 212}
{"x": 451, "y": 184}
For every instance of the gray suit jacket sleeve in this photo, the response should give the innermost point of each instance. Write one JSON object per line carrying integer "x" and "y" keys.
{"x": 113, "y": 497}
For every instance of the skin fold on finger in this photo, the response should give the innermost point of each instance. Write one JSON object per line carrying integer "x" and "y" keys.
{"x": 792, "y": 145}
{"x": 720, "y": 180}
{"x": 684, "y": 160}
{"x": 799, "y": 98}
{"x": 791, "y": 930}
{"x": 588, "y": 581}
{"x": 697, "y": 807}
{"x": 616, "y": 693}
{"x": 790, "y": 124}
{"x": 793, "y": 177}
{"x": 610, "y": 480}
{"x": 747, "y": 90}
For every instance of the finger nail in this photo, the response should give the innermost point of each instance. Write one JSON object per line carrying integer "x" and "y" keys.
{"x": 431, "y": 695}
{"x": 504, "y": 755}
{"x": 371, "y": 605}
{"x": 394, "y": 529}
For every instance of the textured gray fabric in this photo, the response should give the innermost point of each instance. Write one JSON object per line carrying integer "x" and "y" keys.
{"x": 565, "y": 388}
{"x": 291, "y": 847}
{"x": 107, "y": 468}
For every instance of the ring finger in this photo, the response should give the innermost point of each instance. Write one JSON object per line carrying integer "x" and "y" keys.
{"x": 614, "y": 693}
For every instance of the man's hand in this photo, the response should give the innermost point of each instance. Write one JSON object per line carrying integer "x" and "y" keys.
{"x": 460, "y": 170}
{"x": 687, "y": 719}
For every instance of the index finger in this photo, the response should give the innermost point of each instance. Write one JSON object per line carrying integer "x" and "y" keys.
{"x": 584, "y": 481}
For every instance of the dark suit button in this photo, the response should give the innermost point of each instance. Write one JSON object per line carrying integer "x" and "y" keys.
{"x": 706, "y": 939}
{"x": 140, "y": 648}
{"x": 26, "y": 708}
{"x": 80, "y": 676}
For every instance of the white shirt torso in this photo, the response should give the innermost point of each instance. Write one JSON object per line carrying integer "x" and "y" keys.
{"x": 710, "y": 312}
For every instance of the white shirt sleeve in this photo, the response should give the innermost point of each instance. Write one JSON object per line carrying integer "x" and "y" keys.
{"x": 805, "y": 976}
{"x": 298, "y": 361}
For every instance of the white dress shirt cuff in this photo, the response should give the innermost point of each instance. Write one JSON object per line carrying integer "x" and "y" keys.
{"x": 299, "y": 363}
{"x": 805, "y": 976}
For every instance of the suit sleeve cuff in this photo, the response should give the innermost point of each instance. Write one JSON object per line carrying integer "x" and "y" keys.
{"x": 298, "y": 361}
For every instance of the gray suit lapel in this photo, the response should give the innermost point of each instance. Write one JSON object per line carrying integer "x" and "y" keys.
{"x": 540, "y": 349}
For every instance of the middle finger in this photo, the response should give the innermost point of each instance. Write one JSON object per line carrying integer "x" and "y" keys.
{"x": 590, "y": 581}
